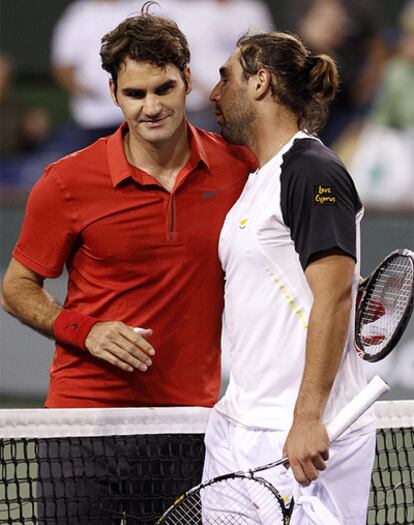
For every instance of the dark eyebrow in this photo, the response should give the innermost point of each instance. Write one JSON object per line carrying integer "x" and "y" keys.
{"x": 224, "y": 72}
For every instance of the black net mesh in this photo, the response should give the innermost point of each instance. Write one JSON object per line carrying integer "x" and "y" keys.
{"x": 96, "y": 481}
{"x": 392, "y": 488}
{"x": 131, "y": 480}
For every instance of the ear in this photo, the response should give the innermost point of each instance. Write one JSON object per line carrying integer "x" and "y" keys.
{"x": 112, "y": 89}
{"x": 262, "y": 83}
{"x": 187, "y": 76}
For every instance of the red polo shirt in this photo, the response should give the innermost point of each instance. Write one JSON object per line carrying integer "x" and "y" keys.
{"x": 136, "y": 253}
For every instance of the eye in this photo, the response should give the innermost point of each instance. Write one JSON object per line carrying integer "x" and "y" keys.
{"x": 165, "y": 89}
{"x": 224, "y": 80}
{"x": 135, "y": 93}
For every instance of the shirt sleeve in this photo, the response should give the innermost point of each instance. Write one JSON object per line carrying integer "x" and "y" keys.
{"x": 319, "y": 204}
{"x": 49, "y": 227}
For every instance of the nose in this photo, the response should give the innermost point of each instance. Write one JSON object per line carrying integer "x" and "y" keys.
{"x": 152, "y": 106}
{"x": 215, "y": 95}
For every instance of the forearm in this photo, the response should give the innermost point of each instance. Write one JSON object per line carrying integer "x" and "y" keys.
{"x": 31, "y": 304}
{"x": 24, "y": 297}
{"x": 307, "y": 444}
{"x": 327, "y": 333}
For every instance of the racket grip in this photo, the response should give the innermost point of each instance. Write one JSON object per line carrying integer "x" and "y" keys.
{"x": 355, "y": 408}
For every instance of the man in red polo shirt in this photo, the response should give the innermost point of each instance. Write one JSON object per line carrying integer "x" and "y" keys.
{"x": 135, "y": 218}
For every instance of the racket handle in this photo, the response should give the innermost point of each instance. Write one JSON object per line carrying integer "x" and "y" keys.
{"x": 355, "y": 408}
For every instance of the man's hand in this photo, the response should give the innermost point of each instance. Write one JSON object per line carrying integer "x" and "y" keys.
{"x": 118, "y": 344}
{"x": 307, "y": 448}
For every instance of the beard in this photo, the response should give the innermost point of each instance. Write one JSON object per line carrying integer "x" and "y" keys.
{"x": 238, "y": 122}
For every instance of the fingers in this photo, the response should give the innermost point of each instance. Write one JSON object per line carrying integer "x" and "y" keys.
{"x": 123, "y": 362}
{"x": 303, "y": 477}
{"x": 121, "y": 346}
{"x": 133, "y": 349}
{"x": 307, "y": 469}
{"x": 138, "y": 338}
{"x": 143, "y": 332}
{"x": 307, "y": 450}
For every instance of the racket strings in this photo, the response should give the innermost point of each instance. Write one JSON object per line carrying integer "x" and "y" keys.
{"x": 232, "y": 501}
{"x": 385, "y": 303}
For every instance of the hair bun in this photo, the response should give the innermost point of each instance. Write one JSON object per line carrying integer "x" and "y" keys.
{"x": 322, "y": 76}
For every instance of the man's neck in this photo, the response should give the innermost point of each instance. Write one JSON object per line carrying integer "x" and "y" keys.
{"x": 274, "y": 133}
{"x": 162, "y": 160}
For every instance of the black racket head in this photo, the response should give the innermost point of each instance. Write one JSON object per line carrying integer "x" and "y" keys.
{"x": 232, "y": 499}
{"x": 386, "y": 306}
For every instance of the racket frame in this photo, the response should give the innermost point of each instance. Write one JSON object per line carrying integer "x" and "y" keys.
{"x": 399, "y": 330}
{"x": 248, "y": 474}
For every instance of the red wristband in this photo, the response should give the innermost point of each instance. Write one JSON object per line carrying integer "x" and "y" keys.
{"x": 72, "y": 328}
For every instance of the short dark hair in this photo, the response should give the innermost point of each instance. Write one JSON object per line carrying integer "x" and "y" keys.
{"x": 145, "y": 38}
{"x": 303, "y": 82}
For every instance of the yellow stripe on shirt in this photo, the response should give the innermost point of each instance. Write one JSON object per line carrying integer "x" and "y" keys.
{"x": 289, "y": 299}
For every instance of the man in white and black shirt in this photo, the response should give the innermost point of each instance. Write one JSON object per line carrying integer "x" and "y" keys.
{"x": 290, "y": 251}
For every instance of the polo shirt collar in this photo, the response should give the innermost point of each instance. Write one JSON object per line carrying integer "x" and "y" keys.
{"x": 120, "y": 169}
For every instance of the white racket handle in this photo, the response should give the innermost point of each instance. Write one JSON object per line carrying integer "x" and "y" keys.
{"x": 348, "y": 415}
{"x": 355, "y": 408}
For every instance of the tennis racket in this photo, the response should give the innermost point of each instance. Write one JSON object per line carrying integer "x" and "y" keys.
{"x": 386, "y": 305}
{"x": 242, "y": 498}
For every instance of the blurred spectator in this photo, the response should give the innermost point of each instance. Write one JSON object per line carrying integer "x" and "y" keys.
{"x": 22, "y": 128}
{"x": 76, "y": 65}
{"x": 394, "y": 105}
{"x": 346, "y": 30}
{"x": 212, "y": 28}
{"x": 383, "y": 159}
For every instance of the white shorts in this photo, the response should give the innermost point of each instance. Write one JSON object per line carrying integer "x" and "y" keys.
{"x": 343, "y": 487}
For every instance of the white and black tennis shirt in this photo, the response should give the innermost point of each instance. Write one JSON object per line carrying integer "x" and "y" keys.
{"x": 300, "y": 203}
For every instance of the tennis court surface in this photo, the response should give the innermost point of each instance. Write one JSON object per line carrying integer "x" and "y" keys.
{"x": 125, "y": 466}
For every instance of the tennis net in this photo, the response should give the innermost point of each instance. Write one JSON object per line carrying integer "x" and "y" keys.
{"x": 391, "y": 499}
{"x": 125, "y": 466}
{"x": 97, "y": 466}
